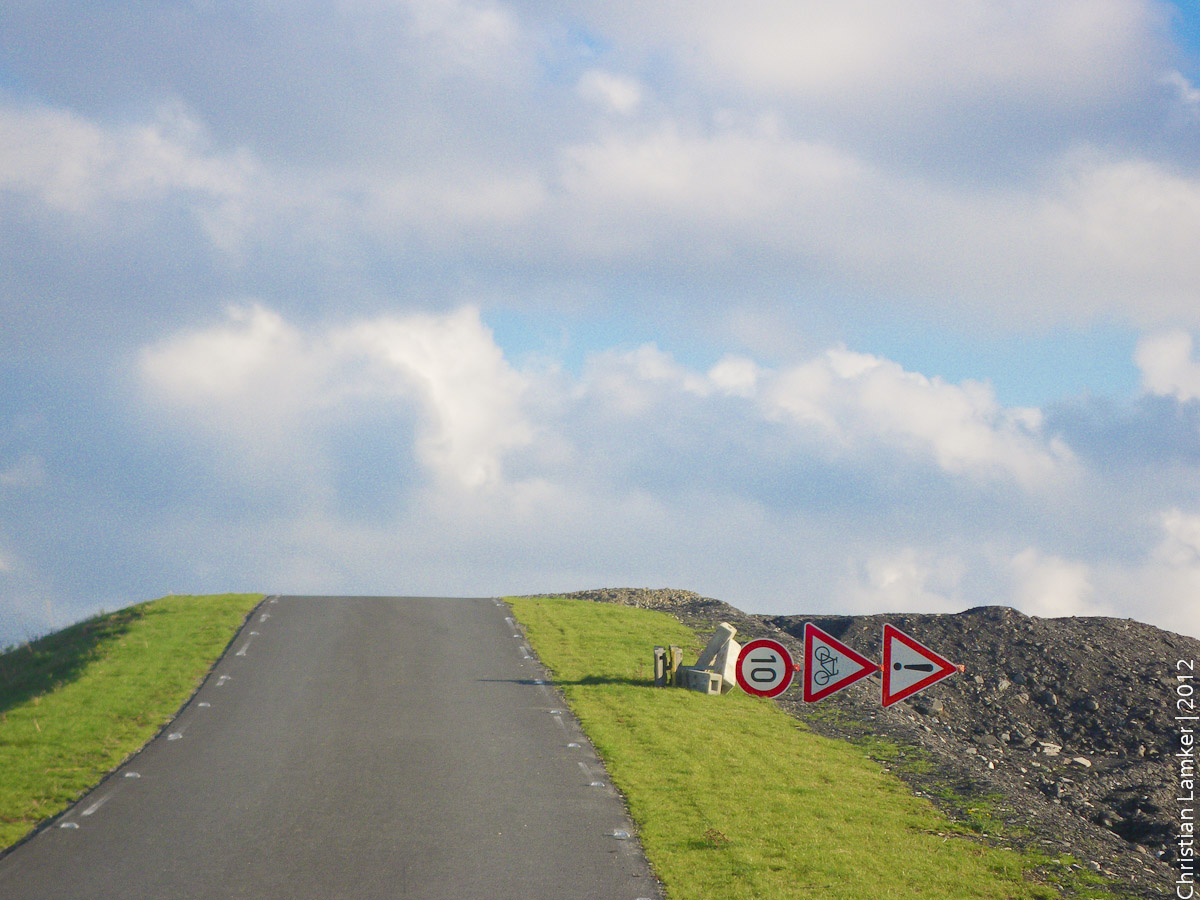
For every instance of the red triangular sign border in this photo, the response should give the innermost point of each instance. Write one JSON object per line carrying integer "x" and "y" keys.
{"x": 944, "y": 666}
{"x": 868, "y": 667}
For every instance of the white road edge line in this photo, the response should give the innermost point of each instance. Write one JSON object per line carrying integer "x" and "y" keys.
{"x": 95, "y": 806}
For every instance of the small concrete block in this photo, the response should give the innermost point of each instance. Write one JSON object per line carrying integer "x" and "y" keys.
{"x": 703, "y": 681}
{"x": 683, "y": 677}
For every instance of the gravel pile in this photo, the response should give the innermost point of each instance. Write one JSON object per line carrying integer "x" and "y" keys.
{"x": 1069, "y": 722}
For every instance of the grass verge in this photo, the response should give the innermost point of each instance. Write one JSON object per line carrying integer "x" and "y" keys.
{"x": 76, "y": 703}
{"x": 733, "y": 798}
{"x": 975, "y": 812}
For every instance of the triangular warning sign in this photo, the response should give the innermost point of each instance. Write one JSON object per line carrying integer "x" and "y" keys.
{"x": 829, "y": 665}
{"x": 909, "y": 666}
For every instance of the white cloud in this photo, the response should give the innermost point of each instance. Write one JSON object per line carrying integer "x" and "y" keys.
{"x": 27, "y": 472}
{"x": 1164, "y": 587}
{"x": 77, "y": 168}
{"x": 1087, "y": 236}
{"x": 253, "y": 378}
{"x": 445, "y": 204}
{"x": 1186, "y": 92}
{"x": 264, "y": 380}
{"x": 840, "y": 406}
{"x": 983, "y": 164}
{"x": 470, "y": 394}
{"x": 735, "y": 375}
{"x": 1168, "y": 366}
{"x": 1060, "y": 54}
{"x": 274, "y": 389}
{"x": 1180, "y": 546}
{"x": 1120, "y": 228}
{"x": 1045, "y": 585}
{"x": 774, "y": 487}
{"x": 476, "y": 36}
{"x": 1092, "y": 237}
{"x": 635, "y": 382}
{"x": 673, "y": 180}
{"x": 617, "y": 93}
{"x": 905, "y": 580}
{"x": 224, "y": 362}
{"x": 858, "y": 399}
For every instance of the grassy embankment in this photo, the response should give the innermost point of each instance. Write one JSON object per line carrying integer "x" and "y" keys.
{"x": 76, "y": 703}
{"x": 735, "y": 799}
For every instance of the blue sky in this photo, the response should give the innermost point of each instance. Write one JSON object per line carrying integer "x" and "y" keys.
{"x": 809, "y": 309}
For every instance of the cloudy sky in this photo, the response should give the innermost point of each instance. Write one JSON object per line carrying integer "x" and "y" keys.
{"x": 810, "y": 307}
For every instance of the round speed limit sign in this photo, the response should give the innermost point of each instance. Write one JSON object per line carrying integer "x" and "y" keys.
{"x": 764, "y": 668}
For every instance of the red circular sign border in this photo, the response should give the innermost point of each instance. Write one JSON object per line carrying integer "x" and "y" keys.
{"x": 778, "y": 648}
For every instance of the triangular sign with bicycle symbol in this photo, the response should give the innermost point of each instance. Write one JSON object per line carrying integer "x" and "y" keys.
{"x": 829, "y": 665}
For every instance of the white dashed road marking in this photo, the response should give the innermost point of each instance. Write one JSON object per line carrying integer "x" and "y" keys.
{"x": 95, "y": 806}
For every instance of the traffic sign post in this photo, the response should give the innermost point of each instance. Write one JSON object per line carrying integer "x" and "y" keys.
{"x": 764, "y": 668}
{"x": 909, "y": 666}
{"x": 829, "y": 665}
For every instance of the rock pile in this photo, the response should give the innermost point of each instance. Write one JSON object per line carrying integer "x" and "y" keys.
{"x": 1070, "y": 721}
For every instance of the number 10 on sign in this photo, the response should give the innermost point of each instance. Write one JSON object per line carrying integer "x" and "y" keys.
{"x": 764, "y": 668}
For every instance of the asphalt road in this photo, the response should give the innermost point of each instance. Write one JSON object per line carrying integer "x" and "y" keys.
{"x": 353, "y": 748}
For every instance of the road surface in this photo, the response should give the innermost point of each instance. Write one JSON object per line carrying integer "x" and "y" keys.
{"x": 353, "y": 748}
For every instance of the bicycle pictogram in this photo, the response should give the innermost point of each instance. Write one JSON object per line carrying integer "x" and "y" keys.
{"x": 828, "y": 662}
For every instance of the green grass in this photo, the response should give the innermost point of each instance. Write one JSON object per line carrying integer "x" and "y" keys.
{"x": 735, "y": 799}
{"x": 75, "y": 704}
{"x": 974, "y": 812}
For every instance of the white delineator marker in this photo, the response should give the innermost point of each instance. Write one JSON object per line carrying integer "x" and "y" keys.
{"x": 909, "y": 666}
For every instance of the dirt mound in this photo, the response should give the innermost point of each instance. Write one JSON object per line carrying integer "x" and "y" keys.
{"x": 1067, "y": 724}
